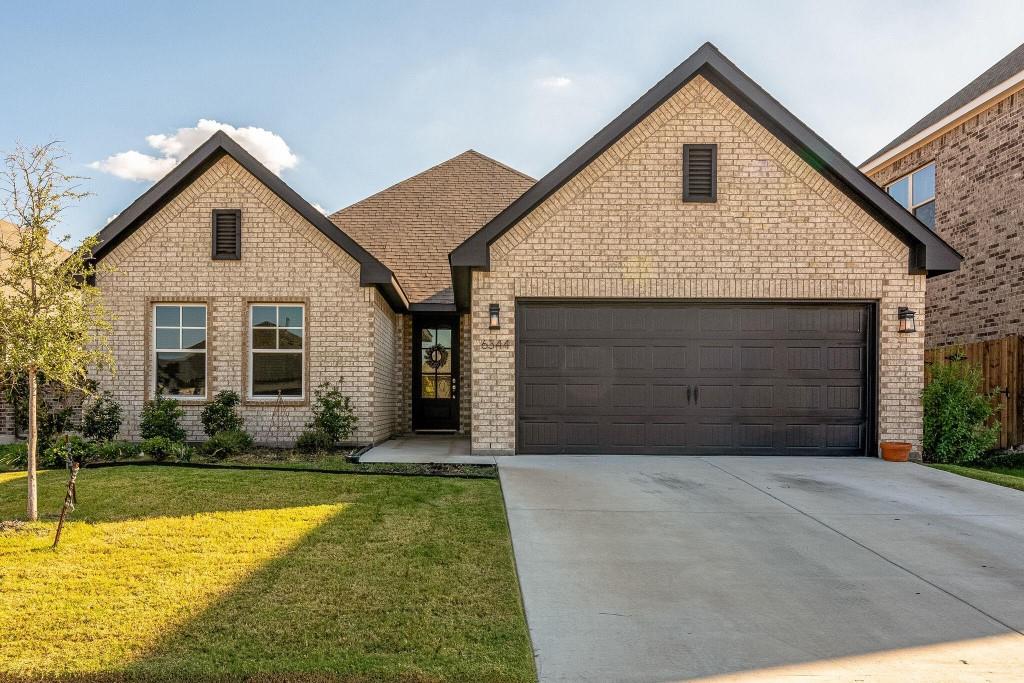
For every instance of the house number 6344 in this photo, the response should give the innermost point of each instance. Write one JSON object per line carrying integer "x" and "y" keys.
{"x": 495, "y": 344}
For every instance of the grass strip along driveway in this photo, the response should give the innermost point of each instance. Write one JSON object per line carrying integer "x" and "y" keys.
{"x": 187, "y": 574}
{"x": 1012, "y": 477}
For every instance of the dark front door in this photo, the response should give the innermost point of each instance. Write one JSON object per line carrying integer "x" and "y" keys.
{"x": 435, "y": 374}
{"x": 694, "y": 378}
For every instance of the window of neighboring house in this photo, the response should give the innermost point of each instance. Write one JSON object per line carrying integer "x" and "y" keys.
{"x": 277, "y": 351}
{"x": 916, "y": 193}
{"x": 179, "y": 350}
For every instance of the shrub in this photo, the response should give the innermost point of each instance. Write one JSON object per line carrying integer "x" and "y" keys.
{"x": 52, "y": 424}
{"x": 116, "y": 450}
{"x": 13, "y": 456}
{"x": 314, "y": 441}
{"x": 1011, "y": 460}
{"x": 68, "y": 448}
{"x": 333, "y": 417}
{"x": 160, "y": 448}
{"x": 956, "y": 412}
{"x": 101, "y": 420}
{"x": 220, "y": 414}
{"x": 228, "y": 442}
{"x": 160, "y": 419}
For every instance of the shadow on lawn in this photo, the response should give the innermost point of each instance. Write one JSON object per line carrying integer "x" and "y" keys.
{"x": 402, "y": 586}
{"x": 113, "y": 494}
{"x": 412, "y": 582}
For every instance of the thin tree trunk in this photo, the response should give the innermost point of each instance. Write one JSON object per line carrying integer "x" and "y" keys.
{"x": 33, "y": 445}
{"x": 68, "y": 502}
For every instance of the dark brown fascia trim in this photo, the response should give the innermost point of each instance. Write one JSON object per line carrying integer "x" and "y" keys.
{"x": 929, "y": 253}
{"x": 371, "y": 272}
{"x": 433, "y": 308}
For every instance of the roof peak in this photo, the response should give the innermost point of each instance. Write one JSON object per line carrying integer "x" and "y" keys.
{"x": 427, "y": 171}
{"x": 928, "y": 252}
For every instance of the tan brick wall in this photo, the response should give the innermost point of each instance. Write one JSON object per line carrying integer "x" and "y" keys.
{"x": 284, "y": 258}
{"x": 979, "y": 210}
{"x": 387, "y": 386}
{"x": 619, "y": 229}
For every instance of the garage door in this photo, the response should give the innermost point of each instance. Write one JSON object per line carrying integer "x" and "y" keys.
{"x": 694, "y": 378}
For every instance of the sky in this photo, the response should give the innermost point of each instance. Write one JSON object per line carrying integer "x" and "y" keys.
{"x": 343, "y": 99}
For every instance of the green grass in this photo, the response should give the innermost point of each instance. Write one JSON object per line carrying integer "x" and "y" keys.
{"x": 1004, "y": 476}
{"x": 200, "y": 575}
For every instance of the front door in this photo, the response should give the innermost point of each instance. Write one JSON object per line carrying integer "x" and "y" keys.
{"x": 435, "y": 373}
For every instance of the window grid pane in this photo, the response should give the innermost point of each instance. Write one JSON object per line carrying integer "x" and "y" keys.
{"x": 179, "y": 344}
{"x": 276, "y": 354}
{"x": 923, "y": 185}
{"x": 900, "y": 191}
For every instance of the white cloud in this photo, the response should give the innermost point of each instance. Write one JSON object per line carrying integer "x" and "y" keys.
{"x": 320, "y": 209}
{"x": 268, "y": 147}
{"x": 111, "y": 218}
{"x": 554, "y": 82}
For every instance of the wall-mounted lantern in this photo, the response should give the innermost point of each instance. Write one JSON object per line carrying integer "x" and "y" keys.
{"x": 495, "y": 319}
{"x": 906, "y": 318}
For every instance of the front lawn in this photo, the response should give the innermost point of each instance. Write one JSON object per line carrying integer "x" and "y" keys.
{"x": 1004, "y": 476}
{"x": 184, "y": 574}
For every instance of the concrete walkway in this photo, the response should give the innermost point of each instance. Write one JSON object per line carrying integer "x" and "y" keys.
{"x": 426, "y": 448}
{"x": 664, "y": 569}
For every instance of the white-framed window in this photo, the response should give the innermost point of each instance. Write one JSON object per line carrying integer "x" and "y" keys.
{"x": 277, "y": 351}
{"x": 179, "y": 350}
{"x": 916, "y": 193}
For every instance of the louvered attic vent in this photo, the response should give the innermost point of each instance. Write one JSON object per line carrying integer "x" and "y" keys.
{"x": 700, "y": 171}
{"x": 227, "y": 234}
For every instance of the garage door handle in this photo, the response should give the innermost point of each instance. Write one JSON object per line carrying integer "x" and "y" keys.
{"x": 687, "y": 393}
{"x": 696, "y": 393}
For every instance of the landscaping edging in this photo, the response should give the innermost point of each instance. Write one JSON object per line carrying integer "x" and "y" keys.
{"x": 313, "y": 470}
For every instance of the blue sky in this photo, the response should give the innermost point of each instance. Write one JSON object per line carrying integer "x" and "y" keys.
{"x": 353, "y": 97}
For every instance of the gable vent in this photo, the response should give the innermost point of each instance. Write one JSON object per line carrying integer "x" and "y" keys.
{"x": 227, "y": 234}
{"x": 700, "y": 181}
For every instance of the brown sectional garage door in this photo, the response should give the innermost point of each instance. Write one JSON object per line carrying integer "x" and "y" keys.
{"x": 693, "y": 378}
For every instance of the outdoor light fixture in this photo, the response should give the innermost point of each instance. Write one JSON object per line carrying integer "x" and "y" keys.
{"x": 495, "y": 322}
{"x": 906, "y": 318}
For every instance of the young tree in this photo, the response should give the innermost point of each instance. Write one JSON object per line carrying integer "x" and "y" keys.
{"x": 52, "y": 320}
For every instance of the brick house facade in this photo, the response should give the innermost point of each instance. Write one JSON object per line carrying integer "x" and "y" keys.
{"x": 626, "y": 234}
{"x": 782, "y": 266}
{"x": 976, "y": 142}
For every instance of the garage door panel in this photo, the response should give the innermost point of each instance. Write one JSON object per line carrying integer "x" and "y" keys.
{"x": 693, "y": 378}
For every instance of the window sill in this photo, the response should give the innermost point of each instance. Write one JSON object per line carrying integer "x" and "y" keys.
{"x": 274, "y": 402}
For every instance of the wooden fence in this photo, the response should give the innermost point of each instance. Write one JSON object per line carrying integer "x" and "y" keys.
{"x": 1001, "y": 363}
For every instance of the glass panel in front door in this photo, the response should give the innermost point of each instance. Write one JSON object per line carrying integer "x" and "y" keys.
{"x": 436, "y": 363}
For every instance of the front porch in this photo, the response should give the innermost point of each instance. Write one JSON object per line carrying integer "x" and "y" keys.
{"x": 427, "y": 448}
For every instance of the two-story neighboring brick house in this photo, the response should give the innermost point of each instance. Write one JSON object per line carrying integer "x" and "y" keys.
{"x": 960, "y": 169}
{"x": 704, "y": 275}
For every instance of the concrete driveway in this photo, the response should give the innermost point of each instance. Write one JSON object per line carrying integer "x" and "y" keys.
{"x": 661, "y": 569}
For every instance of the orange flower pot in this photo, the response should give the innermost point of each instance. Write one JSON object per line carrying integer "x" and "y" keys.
{"x": 895, "y": 451}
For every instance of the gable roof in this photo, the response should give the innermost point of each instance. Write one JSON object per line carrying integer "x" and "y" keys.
{"x": 412, "y": 225}
{"x": 928, "y": 253}
{"x": 371, "y": 271}
{"x": 995, "y": 84}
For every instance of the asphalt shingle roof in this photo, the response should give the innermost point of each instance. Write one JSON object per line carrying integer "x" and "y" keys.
{"x": 412, "y": 225}
{"x": 1005, "y": 68}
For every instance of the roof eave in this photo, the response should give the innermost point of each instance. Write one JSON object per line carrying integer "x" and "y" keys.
{"x": 371, "y": 271}
{"x": 937, "y": 256}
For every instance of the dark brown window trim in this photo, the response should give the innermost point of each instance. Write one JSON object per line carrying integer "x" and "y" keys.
{"x": 688, "y": 196}
{"x": 237, "y": 254}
